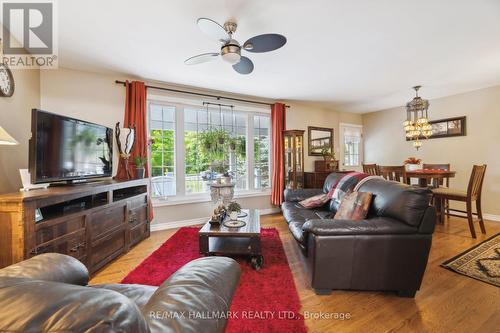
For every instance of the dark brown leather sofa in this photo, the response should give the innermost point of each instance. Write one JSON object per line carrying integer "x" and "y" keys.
{"x": 386, "y": 251}
{"x": 49, "y": 293}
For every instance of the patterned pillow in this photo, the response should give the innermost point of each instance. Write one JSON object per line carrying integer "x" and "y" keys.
{"x": 354, "y": 206}
{"x": 316, "y": 201}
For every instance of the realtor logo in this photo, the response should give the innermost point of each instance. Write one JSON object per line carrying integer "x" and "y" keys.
{"x": 28, "y": 34}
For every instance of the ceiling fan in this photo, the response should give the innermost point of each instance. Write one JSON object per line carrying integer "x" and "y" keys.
{"x": 230, "y": 50}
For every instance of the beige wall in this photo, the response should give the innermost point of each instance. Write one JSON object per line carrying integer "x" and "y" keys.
{"x": 385, "y": 143}
{"x": 300, "y": 116}
{"x": 15, "y": 118}
{"x": 83, "y": 95}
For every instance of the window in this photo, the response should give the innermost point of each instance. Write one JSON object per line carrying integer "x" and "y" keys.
{"x": 193, "y": 146}
{"x": 162, "y": 134}
{"x": 261, "y": 146}
{"x": 352, "y": 144}
{"x": 214, "y": 142}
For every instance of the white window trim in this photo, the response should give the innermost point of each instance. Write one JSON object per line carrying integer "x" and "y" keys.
{"x": 181, "y": 197}
{"x": 342, "y": 144}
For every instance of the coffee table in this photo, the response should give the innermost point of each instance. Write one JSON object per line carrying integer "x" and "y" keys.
{"x": 222, "y": 240}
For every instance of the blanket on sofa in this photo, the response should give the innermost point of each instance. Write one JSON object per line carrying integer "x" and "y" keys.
{"x": 345, "y": 185}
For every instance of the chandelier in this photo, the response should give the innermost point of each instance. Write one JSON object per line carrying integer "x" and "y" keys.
{"x": 417, "y": 125}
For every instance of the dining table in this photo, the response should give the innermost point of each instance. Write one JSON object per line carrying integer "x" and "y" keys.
{"x": 426, "y": 175}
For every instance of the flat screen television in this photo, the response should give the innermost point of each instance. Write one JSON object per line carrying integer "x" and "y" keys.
{"x": 68, "y": 149}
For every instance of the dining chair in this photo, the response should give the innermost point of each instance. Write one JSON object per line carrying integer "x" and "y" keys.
{"x": 396, "y": 173}
{"x": 440, "y": 182}
{"x": 371, "y": 169}
{"x": 472, "y": 194}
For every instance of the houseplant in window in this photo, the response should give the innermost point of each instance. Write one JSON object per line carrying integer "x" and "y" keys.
{"x": 221, "y": 136}
{"x": 140, "y": 162}
{"x": 233, "y": 208}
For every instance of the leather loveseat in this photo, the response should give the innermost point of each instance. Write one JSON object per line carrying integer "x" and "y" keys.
{"x": 386, "y": 251}
{"x": 49, "y": 293}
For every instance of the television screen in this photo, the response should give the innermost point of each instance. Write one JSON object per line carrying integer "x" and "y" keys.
{"x": 64, "y": 148}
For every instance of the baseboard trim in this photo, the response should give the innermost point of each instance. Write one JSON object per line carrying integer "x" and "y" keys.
{"x": 186, "y": 223}
{"x": 488, "y": 217}
{"x": 491, "y": 217}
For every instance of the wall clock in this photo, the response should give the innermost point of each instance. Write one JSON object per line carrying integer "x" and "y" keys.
{"x": 6, "y": 81}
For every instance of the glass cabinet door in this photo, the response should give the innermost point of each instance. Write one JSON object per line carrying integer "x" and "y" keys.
{"x": 294, "y": 159}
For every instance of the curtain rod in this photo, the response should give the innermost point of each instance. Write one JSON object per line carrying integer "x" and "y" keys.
{"x": 204, "y": 95}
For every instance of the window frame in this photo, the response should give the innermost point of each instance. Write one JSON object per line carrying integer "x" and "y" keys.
{"x": 342, "y": 137}
{"x": 181, "y": 196}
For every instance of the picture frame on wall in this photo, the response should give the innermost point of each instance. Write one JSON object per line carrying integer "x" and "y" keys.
{"x": 449, "y": 127}
{"x": 319, "y": 138}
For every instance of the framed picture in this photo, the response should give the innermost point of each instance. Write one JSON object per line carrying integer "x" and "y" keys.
{"x": 448, "y": 127}
{"x": 319, "y": 138}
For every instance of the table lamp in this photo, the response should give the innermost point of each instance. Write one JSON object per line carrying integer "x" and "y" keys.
{"x": 6, "y": 139}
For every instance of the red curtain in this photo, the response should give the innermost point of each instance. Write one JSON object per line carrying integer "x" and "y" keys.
{"x": 135, "y": 117}
{"x": 278, "y": 123}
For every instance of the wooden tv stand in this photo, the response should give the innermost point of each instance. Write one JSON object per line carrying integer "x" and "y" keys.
{"x": 94, "y": 222}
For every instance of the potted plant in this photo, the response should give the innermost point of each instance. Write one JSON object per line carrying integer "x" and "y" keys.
{"x": 233, "y": 208}
{"x": 221, "y": 136}
{"x": 328, "y": 154}
{"x": 329, "y": 158}
{"x": 140, "y": 162}
{"x": 232, "y": 144}
{"x": 412, "y": 163}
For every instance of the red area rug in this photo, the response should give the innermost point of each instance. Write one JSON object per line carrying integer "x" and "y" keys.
{"x": 268, "y": 295}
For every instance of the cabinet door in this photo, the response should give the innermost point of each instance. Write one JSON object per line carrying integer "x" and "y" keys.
{"x": 107, "y": 220}
{"x": 106, "y": 249}
{"x": 72, "y": 244}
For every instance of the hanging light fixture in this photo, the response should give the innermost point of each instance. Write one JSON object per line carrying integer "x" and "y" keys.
{"x": 417, "y": 120}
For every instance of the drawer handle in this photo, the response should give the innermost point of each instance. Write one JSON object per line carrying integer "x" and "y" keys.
{"x": 77, "y": 247}
{"x": 132, "y": 217}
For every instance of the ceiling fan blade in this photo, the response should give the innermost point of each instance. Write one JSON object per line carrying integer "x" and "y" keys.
{"x": 201, "y": 58}
{"x": 245, "y": 66}
{"x": 264, "y": 43}
{"x": 213, "y": 30}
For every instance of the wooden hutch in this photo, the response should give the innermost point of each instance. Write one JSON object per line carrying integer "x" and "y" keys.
{"x": 94, "y": 222}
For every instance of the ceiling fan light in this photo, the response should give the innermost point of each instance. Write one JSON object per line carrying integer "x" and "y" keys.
{"x": 232, "y": 58}
{"x": 231, "y": 52}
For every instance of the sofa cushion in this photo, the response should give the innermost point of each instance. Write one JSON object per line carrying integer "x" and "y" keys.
{"x": 315, "y": 201}
{"x": 297, "y": 232}
{"x": 301, "y": 194}
{"x": 292, "y": 212}
{"x": 354, "y": 206}
{"x": 373, "y": 226}
{"x": 324, "y": 213}
{"x": 138, "y": 293}
{"x": 398, "y": 201}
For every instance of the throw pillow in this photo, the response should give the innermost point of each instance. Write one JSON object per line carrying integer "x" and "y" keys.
{"x": 354, "y": 206}
{"x": 315, "y": 201}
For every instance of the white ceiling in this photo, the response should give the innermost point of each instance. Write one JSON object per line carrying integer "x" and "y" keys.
{"x": 352, "y": 55}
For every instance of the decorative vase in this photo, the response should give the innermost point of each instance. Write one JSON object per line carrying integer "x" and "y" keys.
{"x": 233, "y": 216}
{"x": 139, "y": 173}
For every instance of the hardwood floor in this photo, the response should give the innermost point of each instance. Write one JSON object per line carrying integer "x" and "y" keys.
{"x": 447, "y": 301}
